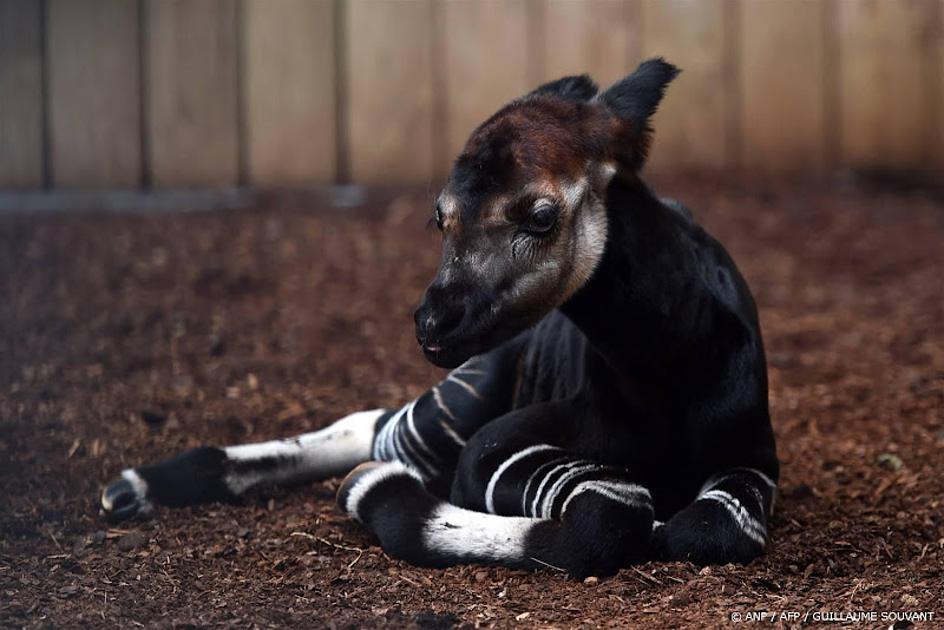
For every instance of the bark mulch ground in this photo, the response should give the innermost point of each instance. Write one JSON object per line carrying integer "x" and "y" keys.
{"x": 125, "y": 339}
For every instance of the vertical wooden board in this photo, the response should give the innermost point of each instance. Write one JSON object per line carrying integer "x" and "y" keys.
{"x": 486, "y": 49}
{"x": 690, "y": 124}
{"x": 94, "y": 93}
{"x": 886, "y": 103}
{"x": 783, "y": 85}
{"x": 289, "y": 87}
{"x": 934, "y": 74}
{"x": 390, "y": 93}
{"x": 21, "y": 108}
{"x": 597, "y": 37}
{"x": 192, "y": 99}
{"x": 938, "y": 71}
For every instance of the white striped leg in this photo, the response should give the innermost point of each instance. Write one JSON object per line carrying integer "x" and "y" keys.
{"x": 726, "y": 523}
{"x": 428, "y": 433}
{"x": 330, "y": 452}
{"x": 541, "y": 480}
{"x": 418, "y": 438}
{"x": 210, "y": 474}
{"x": 604, "y": 524}
{"x": 413, "y": 525}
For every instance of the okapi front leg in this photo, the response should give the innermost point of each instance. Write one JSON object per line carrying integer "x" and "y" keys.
{"x": 210, "y": 473}
{"x": 726, "y": 523}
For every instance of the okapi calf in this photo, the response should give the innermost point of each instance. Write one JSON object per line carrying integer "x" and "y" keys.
{"x": 610, "y": 404}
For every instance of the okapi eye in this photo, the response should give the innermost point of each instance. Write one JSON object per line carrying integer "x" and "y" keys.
{"x": 439, "y": 216}
{"x": 542, "y": 219}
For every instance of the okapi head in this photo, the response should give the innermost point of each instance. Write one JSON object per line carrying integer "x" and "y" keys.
{"x": 523, "y": 214}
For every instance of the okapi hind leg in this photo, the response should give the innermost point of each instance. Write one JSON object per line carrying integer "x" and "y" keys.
{"x": 605, "y": 525}
{"x": 210, "y": 473}
{"x": 533, "y": 505}
{"x": 426, "y": 434}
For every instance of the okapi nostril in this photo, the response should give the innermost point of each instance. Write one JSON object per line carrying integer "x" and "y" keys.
{"x": 447, "y": 323}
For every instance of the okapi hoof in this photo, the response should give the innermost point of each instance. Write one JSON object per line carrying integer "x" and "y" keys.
{"x": 124, "y": 498}
{"x": 351, "y": 480}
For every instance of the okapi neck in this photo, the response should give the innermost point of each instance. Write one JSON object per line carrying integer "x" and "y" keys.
{"x": 626, "y": 308}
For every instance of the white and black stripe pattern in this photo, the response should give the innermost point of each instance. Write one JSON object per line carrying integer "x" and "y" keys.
{"x": 502, "y": 473}
{"x": 399, "y": 440}
{"x": 466, "y": 378}
{"x": 540, "y": 481}
{"x": 750, "y": 526}
{"x": 629, "y": 494}
{"x": 210, "y": 473}
{"x": 355, "y": 499}
{"x": 428, "y": 433}
{"x": 412, "y": 524}
{"x": 747, "y": 495}
{"x": 450, "y": 421}
{"x": 556, "y": 480}
{"x": 325, "y": 453}
{"x": 421, "y": 435}
{"x": 758, "y": 481}
{"x": 392, "y": 500}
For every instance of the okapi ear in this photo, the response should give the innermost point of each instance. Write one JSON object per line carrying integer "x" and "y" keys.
{"x": 633, "y": 100}
{"x": 580, "y": 88}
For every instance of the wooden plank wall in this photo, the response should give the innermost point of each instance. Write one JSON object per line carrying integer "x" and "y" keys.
{"x": 886, "y": 85}
{"x": 289, "y": 91}
{"x": 21, "y": 95}
{"x": 690, "y": 125}
{"x": 783, "y": 86}
{"x": 192, "y": 93}
{"x": 390, "y": 90}
{"x": 94, "y": 133}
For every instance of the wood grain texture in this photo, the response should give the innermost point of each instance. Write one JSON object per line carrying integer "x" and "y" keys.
{"x": 690, "y": 124}
{"x": 390, "y": 95}
{"x": 598, "y": 37}
{"x": 290, "y": 91}
{"x": 486, "y": 50}
{"x": 192, "y": 92}
{"x": 21, "y": 106}
{"x": 937, "y": 70}
{"x": 94, "y": 93}
{"x": 886, "y": 99}
{"x": 783, "y": 87}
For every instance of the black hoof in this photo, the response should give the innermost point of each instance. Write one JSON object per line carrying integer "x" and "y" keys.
{"x": 120, "y": 501}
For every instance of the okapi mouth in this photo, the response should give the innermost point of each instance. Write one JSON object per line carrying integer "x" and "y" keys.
{"x": 475, "y": 336}
{"x": 443, "y": 357}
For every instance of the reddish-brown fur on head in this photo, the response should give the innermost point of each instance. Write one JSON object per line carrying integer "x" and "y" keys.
{"x": 544, "y": 135}
{"x": 523, "y": 216}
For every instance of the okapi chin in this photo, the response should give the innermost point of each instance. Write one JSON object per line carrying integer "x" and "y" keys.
{"x": 608, "y": 402}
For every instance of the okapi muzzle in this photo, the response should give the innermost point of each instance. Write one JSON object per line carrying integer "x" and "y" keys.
{"x": 455, "y": 319}
{"x": 485, "y": 292}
